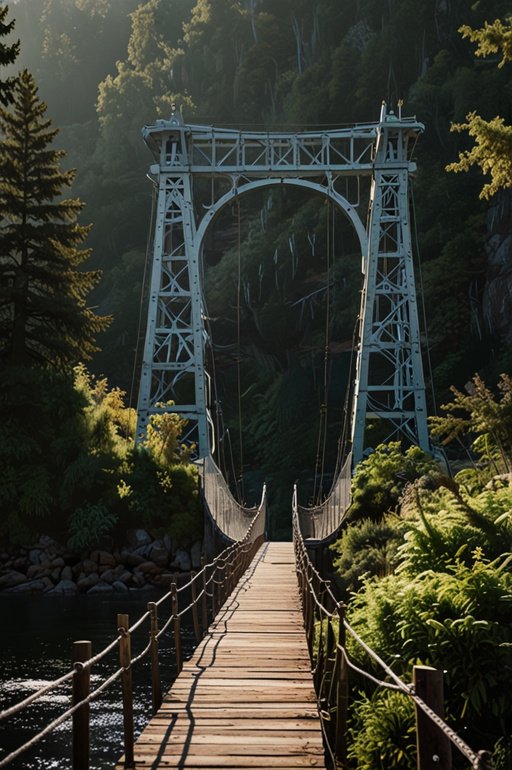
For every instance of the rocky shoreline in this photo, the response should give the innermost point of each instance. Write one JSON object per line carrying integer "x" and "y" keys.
{"x": 51, "y": 568}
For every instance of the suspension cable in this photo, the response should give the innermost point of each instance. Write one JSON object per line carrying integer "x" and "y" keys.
{"x": 422, "y": 295}
{"x": 141, "y": 300}
{"x": 238, "y": 352}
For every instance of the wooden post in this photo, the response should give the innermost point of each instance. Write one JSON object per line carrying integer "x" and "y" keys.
{"x": 204, "y": 604}
{"x": 341, "y": 691}
{"x": 213, "y": 575}
{"x": 156, "y": 687}
{"x": 125, "y": 656}
{"x": 195, "y": 615}
{"x": 82, "y": 651}
{"x": 177, "y": 628}
{"x": 434, "y": 747}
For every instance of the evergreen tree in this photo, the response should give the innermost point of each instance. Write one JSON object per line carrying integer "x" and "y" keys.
{"x": 492, "y": 150}
{"x": 43, "y": 315}
{"x": 8, "y": 54}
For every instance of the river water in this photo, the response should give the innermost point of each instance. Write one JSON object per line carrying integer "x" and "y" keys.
{"x": 36, "y": 639}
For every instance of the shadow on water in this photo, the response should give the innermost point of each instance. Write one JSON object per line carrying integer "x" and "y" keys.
{"x": 36, "y": 639}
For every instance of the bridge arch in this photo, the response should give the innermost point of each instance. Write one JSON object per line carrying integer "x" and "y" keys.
{"x": 327, "y": 191}
{"x": 389, "y": 382}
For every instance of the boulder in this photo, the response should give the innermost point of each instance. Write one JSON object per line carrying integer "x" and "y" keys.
{"x": 131, "y": 559}
{"x": 31, "y": 586}
{"x": 37, "y": 571}
{"x": 168, "y": 542}
{"x": 118, "y": 585}
{"x": 181, "y": 561}
{"x": 159, "y": 555}
{"x": 67, "y": 573}
{"x": 64, "y": 587}
{"x": 138, "y": 537}
{"x": 21, "y": 564}
{"x": 148, "y": 568}
{"x": 89, "y": 566}
{"x": 11, "y": 579}
{"x": 88, "y": 581}
{"x": 107, "y": 575}
{"x": 34, "y": 555}
{"x": 125, "y": 577}
{"x": 58, "y": 561}
{"x": 138, "y": 580}
{"x": 103, "y": 558}
{"x": 100, "y": 588}
{"x": 45, "y": 541}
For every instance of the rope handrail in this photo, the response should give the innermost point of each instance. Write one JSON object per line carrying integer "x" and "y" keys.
{"x": 314, "y": 589}
{"x": 230, "y": 564}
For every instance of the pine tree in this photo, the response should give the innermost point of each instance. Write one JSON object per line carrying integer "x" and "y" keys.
{"x": 8, "y": 54}
{"x": 492, "y": 150}
{"x": 44, "y": 320}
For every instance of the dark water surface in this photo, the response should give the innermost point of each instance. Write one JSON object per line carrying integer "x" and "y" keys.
{"x": 36, "y": 640}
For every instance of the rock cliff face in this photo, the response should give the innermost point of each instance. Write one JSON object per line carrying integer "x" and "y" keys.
{"x": 497, "y": 296}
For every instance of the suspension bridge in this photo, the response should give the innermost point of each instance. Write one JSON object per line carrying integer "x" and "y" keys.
{"x": 268, "y": 683}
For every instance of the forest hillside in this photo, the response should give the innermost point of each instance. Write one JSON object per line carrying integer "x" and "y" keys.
{"x": 107, "y": 67}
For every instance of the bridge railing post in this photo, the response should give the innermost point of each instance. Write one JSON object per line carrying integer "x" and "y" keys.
{"x": 82, "y": 651}
{"x": 156, "y": 687}
{"x": 341, "y": 689}
{"x": 177, "y": 627}
{"x": 434, "y": 747}
{"x": 125, "y": 657}
{"x": 204, "y": 603}
{"x": 195, "y": 613}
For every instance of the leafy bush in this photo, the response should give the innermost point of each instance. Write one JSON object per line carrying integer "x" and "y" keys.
{"x": 367, "y": 548}
{"x": 452, "y": 527}
{"x": 457, "y": 621}
{"x": 380, "y": 480}
{"x": 383, "y": 732}
{"x": 88, "y": 525}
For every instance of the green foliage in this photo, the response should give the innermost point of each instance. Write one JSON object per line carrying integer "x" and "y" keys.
{"x": 380, "y": 479}
{"x": 383, "y": 732}
{"x": 44, "y": 318}
{"x": 453, "y": 526}
{"x": 69, "y": 467}
{"x": 88, "y": 525}
{"x": 480, "y": 411}
{"x": 367, "y": 548}
{"x": 8, "y": 54}
{"x": 492, "y": 149}
{"x": 457, "y": 621}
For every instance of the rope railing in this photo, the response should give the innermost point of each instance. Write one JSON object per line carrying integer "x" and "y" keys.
{"x": 321, "y": 522}
{"x": 221, "y": 573}
{"x": 326, "y": 629}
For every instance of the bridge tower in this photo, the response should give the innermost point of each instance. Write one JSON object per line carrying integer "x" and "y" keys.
{"x": 389, "y": 379}
{"x": 389, "y": 383}
{"x": 173, "y": 359}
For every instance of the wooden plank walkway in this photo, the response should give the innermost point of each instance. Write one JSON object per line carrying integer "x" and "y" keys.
{"x": 246, "y": 697}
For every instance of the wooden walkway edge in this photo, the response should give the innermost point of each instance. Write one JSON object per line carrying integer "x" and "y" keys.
{"x": 245, "y": 699}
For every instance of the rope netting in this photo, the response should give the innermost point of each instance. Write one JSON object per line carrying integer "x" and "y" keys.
{"x": 229, "y": 516}
{"x": 322, "y": 521}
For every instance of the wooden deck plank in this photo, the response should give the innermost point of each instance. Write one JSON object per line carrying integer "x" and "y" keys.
{"x": 245, "y": 699}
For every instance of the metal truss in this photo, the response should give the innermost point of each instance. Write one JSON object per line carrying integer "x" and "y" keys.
{"x": 173, "y": 363}
{"x": 389, "y": 380}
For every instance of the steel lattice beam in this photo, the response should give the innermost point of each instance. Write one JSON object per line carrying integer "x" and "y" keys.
{"x": 389, "y": 380}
